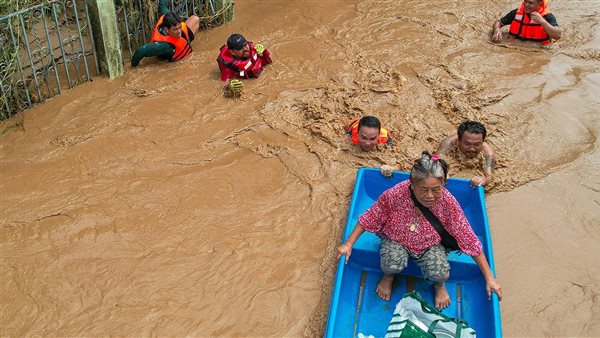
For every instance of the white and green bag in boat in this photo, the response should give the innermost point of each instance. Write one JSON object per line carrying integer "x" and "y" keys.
{"x": 415, "y": 318}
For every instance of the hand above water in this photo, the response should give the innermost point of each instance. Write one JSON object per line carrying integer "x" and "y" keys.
{"x": 478, "y": 181}
{"x": 260, "y": 49}
{"x": 537, "y": 17}
{"x": 496, "y": 35}
{"x": 496, "y": 31}
{"x": 553, "y": 32}
{"x": 235, "y": 86}
{"x": 386, "y": 170}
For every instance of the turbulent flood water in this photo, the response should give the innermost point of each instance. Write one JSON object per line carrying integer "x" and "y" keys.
{"x": 151, "y": 205}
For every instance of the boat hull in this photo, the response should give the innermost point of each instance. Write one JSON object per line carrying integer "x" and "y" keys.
{"x": 355, "y": 308}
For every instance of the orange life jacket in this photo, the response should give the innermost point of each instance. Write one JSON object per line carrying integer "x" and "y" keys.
{"x": 383, "y": 138}
{"x": 181, "y": 44}
{"x": 523, "y": 28}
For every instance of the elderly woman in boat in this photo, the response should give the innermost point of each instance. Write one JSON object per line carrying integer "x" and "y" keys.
{"x": 405, "y": 231}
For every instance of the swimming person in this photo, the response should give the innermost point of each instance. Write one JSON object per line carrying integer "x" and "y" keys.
{"x": 405, "y": 232}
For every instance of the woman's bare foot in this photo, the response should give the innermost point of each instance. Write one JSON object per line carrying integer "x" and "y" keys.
{"x": 384, "y": 287}
{"x": 441, "y": 298}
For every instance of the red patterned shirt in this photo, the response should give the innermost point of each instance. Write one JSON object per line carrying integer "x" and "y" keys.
{"x": 394, "y": 214}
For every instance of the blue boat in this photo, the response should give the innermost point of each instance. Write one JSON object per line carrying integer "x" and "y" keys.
{"x": 355, "y": 307}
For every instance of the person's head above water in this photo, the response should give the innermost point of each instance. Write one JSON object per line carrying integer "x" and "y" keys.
{"x": 428, "y": 177}
{"x": 172, "y": 24}
{"x": 238, "y": 46}
{"x": 533, "y": 5}
{"x": 471, "y": 135}
{"x": 368, "y": 132}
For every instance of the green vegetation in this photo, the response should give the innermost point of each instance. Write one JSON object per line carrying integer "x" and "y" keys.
{"x": 18, "y": 85}
{"x": 223, "y": 13}
{"x": 10, "y": 6}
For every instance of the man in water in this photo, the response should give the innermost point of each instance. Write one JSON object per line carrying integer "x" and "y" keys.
{"x": 532, "y": 21}
{"x": 241, "y": 59}
{"x": 367, "y": 133}
{"x": 467, "y": 144}
{"x": 171, "y": 38}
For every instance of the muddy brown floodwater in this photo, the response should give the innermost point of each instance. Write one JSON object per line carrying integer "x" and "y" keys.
{"x": 151, "y": 205}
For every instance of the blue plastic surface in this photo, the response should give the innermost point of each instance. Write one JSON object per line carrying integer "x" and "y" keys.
{"x": 356, "y": 308}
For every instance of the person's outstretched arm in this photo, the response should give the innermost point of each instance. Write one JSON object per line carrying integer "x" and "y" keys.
{"x": 497, "y": 31}
{"x": 447, "y": 144}
{"x": 490, "y": 282}
{"x": 151, "y": 49}
{"x": 490, "y": 163}
{"x": 346, "y": 248}
{"x": 498, "y": 24}
{"x": 488, "y": 167}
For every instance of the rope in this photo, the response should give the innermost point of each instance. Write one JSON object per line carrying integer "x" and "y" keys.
{"x": 221, "y": 11}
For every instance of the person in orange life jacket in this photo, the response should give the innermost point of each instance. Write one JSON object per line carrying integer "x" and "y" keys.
{"x": 532, "y": 21}
{"x": 241, "y": 59}
{"x": 367, "y": 133}
{"x": 171, "y": 39}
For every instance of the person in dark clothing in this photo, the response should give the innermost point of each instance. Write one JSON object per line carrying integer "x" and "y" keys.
{"x": 532, "y": 21}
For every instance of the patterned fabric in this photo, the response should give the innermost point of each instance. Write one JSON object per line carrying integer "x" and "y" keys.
{"x": 395, "y": 215}
{"x": 433, "y": 262}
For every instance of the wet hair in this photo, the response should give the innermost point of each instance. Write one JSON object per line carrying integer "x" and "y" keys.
{"x": 170, "y": 19}
{"x": 429, "y": 165}
{"x": 472, "y": 127}
{"x": 369, "y": 121}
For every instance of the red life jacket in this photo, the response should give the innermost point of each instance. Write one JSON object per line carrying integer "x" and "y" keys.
{"x": 523, "y": 28}
{"x": 234, "y": 67}
{"x": 383, "y": 138}
{"x": 181, "y": 44}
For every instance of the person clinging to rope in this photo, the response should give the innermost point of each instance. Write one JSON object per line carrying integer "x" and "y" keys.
{"x": 241, "y": 59}
{"x": 171, "y": 38}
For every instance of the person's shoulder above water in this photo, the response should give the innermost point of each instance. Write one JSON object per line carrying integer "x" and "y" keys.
{"x": 532, "y": 21}
{"x": 508, "y": 18}
{"x": 469, "y": 140}
{"x": 551, "y": 19}
{"x": 241, "y": 59}
{"x": 448, "y": 143}
{"x": 170, "y": 39}
{"x": 367, "y": 133}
